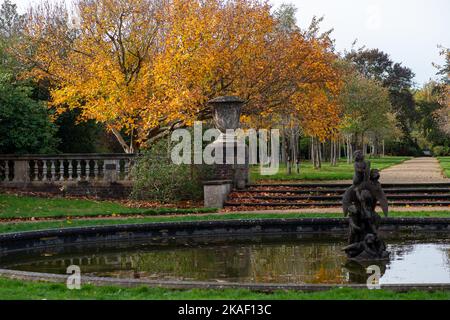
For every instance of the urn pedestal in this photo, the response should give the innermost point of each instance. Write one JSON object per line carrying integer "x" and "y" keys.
{"x": 233, "y": 168}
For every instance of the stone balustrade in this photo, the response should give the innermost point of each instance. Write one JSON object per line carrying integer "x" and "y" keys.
{"x": 62, "y": 169}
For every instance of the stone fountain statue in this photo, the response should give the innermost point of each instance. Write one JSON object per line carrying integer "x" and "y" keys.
{"x": 359, "y": 203}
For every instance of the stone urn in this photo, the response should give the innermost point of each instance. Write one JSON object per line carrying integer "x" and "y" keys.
{"x": 226, "y": 112}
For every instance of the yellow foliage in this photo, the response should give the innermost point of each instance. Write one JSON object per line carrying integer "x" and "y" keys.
{"x": 140, "y": 65}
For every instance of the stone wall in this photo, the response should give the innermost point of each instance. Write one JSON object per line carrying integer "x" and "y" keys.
{"x": 107, "y": 191}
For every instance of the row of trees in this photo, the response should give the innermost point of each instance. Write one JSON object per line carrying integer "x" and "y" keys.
{"x": 383, "y": 112}
{"x": 142, "y": 68}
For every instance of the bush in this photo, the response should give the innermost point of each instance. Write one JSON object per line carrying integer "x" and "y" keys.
{"x": 157, "y": 178}
{"x": 441, "y": 151}
{"x": 25, "y": 125}
{"x": 402, "y": 148}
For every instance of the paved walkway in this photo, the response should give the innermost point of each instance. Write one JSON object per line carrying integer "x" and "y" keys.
{"x": 414, "y": 171}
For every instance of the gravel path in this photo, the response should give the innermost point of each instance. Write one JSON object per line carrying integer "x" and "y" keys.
{"x": 414, "y": 171}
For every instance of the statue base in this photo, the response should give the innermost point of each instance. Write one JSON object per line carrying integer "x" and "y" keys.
{"x": 371, "y": 248}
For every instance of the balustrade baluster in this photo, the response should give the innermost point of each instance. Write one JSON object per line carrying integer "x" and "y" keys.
{"x": 88, "y": 170}
{"x": 44, "y": 170}
{"x": 34, "y": 170}
{"x": 127, "y": 169}
{"x": 61, "y": 170}
{"x": 95, "y": 170}
{"x": 70, "y": 169}
{"x": 118, "y": 169}
{"x": 52, "y": 170}
{"x": 77, "y": 170}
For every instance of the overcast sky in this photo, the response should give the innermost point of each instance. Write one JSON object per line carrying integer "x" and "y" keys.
{"x": 408, "y": 30}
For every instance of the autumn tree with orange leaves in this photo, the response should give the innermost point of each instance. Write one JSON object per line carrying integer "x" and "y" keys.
{"x": 145, "y": 67}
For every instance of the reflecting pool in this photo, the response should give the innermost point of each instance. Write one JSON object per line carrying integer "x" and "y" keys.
{"x": 281, "y": 259}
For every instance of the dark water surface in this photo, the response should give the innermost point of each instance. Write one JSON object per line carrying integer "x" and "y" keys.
{"x": 280, "y": 259}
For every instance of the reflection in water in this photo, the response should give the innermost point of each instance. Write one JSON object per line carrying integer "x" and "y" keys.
{"x": 357, "y": 270}
{"x": 424, "y": 263}
{"x": 287, "y": 260}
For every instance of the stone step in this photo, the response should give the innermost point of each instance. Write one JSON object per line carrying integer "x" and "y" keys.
{"x": 346, "y": 185}
{"x": 313, "y": 204}
{"x": 339, "y": 197}
{"x": 294, "y": 195}
{"x": 342, "y": 190}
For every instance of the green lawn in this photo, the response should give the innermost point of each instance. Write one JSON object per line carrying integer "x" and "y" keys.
{"x": 445, "y": 164}
{"x": 16, "y": 289}
{"x": 29, "y": 206}
{"x": 29, "y": 226}
{"x": 327, "y": 172}
{"x": 16, "y": 206}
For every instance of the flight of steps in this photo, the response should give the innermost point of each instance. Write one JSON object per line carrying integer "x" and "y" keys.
{"x": 296, "y": 196}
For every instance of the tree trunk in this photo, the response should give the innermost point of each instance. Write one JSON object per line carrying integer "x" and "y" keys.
{"x": 344, "y": 142}
{"x": 127, "y": 148}
{"x": 333, "y": 145}
{"x": 319, "y": 156}
{"x": 283, "y": 147}
{"x": 295, "y": 150}
{"x": 339, "y": 150}
{"x": 349, "y": 149}
{"x": 292, "y": 147}
{"x": 316, "y": 153}
{"x": 375, "y": 147}
{"x": 287, "y": 153}
{"x": 320, "y": 149}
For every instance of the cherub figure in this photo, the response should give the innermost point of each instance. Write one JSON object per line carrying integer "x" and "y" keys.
{"x": 370, "y": 219}
{"x": 374, "y": 187}
{"x": 362, "y": 168}
{"x": 356, "y": 232}
{"x": 353, "y": 194}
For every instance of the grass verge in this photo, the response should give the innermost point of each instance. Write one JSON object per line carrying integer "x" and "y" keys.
{"x": 39, "y": 225}
{"x": 445, "y": 165}
{"x": 20, "y": 290}
{"x": 341, "y": 172}
{"x": 18, "y": 206}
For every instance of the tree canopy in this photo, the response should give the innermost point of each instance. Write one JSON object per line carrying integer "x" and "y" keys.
{"x": 24, "y": 123}
{"x": 143, "y": 67}
{"x": 377, "y": 65}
